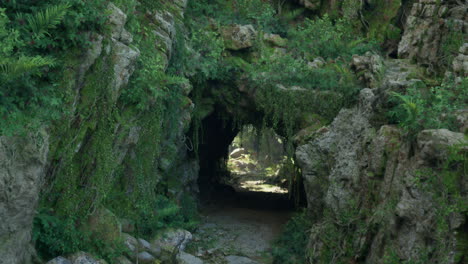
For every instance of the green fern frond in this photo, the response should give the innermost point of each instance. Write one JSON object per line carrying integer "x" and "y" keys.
{"x": 42, "y": 21}
{"x": 290, "y": 15}
{"x": 13, "y": 68}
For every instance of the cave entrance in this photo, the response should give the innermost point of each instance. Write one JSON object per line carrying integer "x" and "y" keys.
{"x": 242, "y": 166}
{"x": 245, "y": 202}
{"x": 257, "y": 162}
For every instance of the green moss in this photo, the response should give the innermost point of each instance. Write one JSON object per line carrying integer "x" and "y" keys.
{"x": 380, "y": 19}
{"x": 86, "y": 172}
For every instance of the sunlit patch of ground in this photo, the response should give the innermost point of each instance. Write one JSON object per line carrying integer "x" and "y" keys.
{"x": 247, "y": 174}
{"x": 261, "y": 186}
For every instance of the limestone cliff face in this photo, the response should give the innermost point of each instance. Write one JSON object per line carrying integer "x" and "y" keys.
{"x": 22, "y": 163}
{"x": 431, "y": 27}
{"x": 366, "y": 183}
{"x": 361, "y": 181}
{"x": 95, "y": 135}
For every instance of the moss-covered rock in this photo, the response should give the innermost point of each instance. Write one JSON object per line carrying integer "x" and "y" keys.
{"x": 104, "y": 225}
{"x": 238, "y": 37}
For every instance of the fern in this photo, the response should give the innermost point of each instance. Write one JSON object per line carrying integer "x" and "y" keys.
{"x": 291, "y": 15}
{"x": 40, "y": 22}
{"x": 13, "y": 68}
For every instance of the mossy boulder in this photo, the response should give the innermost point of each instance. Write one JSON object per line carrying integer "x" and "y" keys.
{"x": 104, "y": 225}
{"x": 275, "y": 40}
{"x": 238, "y": 37}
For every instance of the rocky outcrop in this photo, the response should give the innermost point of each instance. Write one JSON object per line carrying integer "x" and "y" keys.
{"x": 22, "y": 170}
{"x": 185, "y": 258}
{"x": 431, "y": 26}
{"x": 363, "y": 185}
{"x": 237, "y": 37}
{"x": 368, "y": 68}
{"x": 460, "y": 63}
{"x": 77, "y": 258}
{"x": 99, "y": 134}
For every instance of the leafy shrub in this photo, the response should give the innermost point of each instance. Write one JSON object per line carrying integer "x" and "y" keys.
{"x": 290, "y": 248}
{"x": 209, "y": 47}
{"x": 167, "y": 214}
{"x": 285, "y": 81}
{"x": 55, "y": 236}
{"x": 29, "y": 76}
{"x": 451, "y": 44}
{"x": 430, "y": 108}
{"x": 324, "y": 38}
{"x": 259, "y": 13}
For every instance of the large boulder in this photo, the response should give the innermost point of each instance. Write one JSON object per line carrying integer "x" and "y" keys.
{"x": 131, "y": 244}
{"x": 59, "y": 260}
{"x": 170, "y": 243}
{"x": 435, "y": 144}
{"x": 145, "y": 258}
{"x": 368, "y": 67}
{"x": 237, "y": 153}
{"x": 105, "y": 225}
{"x": 238, "y": 37}
{"x": 171, "y": 239}
{"x": 275, "y": 40}
{"x": 185, "y": 258}
{"x": 84, "y": 258}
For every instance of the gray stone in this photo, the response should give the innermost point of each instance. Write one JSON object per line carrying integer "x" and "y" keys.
{"x": 173, "y": 238}
{"x": 143, "y": 244}
{"x": 122, "y": 260}
{"x": 22, "y": 168}
{"x": 460, "y": 62}
{"x": 117, "y": 20}
{"x": 436, "y": 143}
{"x": 237, "y": 153}
{"x": 83, "y": 258}
{"x": 124, "y": 65}
{"x": 237, "y": 37}
{"x": 185, "y": 258}
{"x": 126, "y": 37}
{"x": 462, "y": 120}
{"x": 275, "y": 40}
{"x": 145, "y": 258}
{"x": 316, "y": 63}
{"x": 369, "y": 68}
{"x": 130, "y": 242}
{"x": 59, "y": 260}
{"x": 239, "y": 260}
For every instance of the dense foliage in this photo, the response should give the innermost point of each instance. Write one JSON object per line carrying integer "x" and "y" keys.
{"x": 290, "y": 247}
{"x": 41, "y": 45}
{"x": 422, "y": 107}
{"x": 35, "y": 37}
